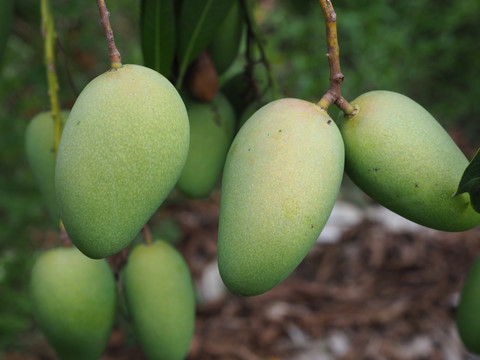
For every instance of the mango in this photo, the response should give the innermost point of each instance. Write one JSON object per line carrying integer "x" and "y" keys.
{"x": 212, "y": 126}
{"x": 225, "y": 45}
{"x": 122, "y": 150}
{"x": 399, "y": 155}
{"x": 280, "y": 182}
{"x": 160, "y": 299}
{"x": 468, "y": 314}
{"x": 40, "y": 152}
{"x": 74, "y": 302}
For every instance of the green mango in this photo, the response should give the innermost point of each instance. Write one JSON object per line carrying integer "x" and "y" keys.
{"x": 74, "y": 302}
{"x": 399, "y": 155}
{"x": 160, "y": 299}
{"x": 281, "y": 179}
{"x": 225, "y": 45}
{"x": 212, "y": 126}
{"x": 468, "y": 314}
{"x": 40, "y": 152}
{"x": 122, "y": 150}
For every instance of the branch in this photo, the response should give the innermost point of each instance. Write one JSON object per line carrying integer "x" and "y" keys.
{"x": 253, "y": 37}
{"x": 115, "y": 58}
{"x": 50, "y": 37}
{"x": 333, "y": 95}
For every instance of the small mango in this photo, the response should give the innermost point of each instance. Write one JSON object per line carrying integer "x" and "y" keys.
{"x": 74, "y": 302}
{"x": 280, "y": 182}
{"x": 212, "y": 126}
{"x": 468, "y": 314}
{"x": 160, "y": 299}
{"x": 399, "y": 155}
{"x": 40, "y": 152}
{"x": 122, "y": 150}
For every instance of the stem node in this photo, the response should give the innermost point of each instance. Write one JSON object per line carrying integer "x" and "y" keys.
{"x": 115, "y": 57}
{"x": 333, "y": 95}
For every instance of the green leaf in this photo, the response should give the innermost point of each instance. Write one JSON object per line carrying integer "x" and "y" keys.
{"x": 158, "y": 34}
{"x": 470, "y": 182}
{"x": 199, "y": 20}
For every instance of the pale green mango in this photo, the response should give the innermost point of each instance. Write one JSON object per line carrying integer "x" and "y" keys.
{"x": 468, "y": 311}
{"x": 121, "y": 153}
{"x": 225, "y": 45}
{"x": 398, "y": 154}
{"x": 40, "y": 151}
{"x": 74, "y": 302}
{"x": 161, "y": 301}
{"x": 212, "y": 126}
{"x": 281, "y": 179}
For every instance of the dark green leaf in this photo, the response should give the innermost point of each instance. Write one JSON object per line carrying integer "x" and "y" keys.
{"x": 158, "y": 34}
{"x": 199, "y": 19}
{"x": 470, "y": 182}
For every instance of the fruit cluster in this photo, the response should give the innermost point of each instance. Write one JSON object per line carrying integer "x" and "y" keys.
{"x": 131, "y": 137}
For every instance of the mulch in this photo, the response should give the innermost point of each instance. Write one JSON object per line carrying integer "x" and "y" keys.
{"x": 374, "y": 294}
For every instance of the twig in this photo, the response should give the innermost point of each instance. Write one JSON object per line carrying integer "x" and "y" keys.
{"x": 115, "y": 57}
{"x": 147, "y": 235}
{"x": 333, "y": 95}
{"x": 253, "y": 37}
{"x": 50, "y": 37}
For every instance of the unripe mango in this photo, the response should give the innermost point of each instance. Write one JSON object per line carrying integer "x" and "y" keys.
{"x": 281, "y": 178}
{"x": 468, "y": 314}
{"x": 212, "y": 127}
{"x": 74, "y": 301}
{"x": 121, "y": 153}
{"x": 160, "y": 299}
{"x": 225, "y": 44}
{"x": 40, "y": 151}
{"x": 398, "y": 154}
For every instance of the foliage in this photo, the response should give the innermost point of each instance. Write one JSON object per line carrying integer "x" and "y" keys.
{"x": 423, "y": 49}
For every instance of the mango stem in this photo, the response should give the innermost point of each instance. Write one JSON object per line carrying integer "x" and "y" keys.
{"x": 115, "y": 57}
{"x": 147, "y": 235}
{"x": 50, "y": 38}
{"x": 333, "y": 95}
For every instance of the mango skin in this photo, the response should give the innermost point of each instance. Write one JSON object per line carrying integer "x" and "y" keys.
{"x": 212, "y": 126}
{"x": 280, "y": 182}
{"x": 468, "y": 314}
{"x": 40, "y": 152}
{"x": 399, "y": 155}
{"x": 160, "y": 299}
{"x": 74, "y": 302}
{"x": 122, "y": 150}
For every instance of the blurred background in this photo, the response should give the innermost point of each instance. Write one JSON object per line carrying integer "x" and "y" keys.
{"x": 426, "y": 50}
